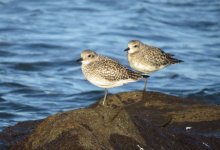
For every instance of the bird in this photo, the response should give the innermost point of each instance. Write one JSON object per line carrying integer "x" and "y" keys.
{"x": 105, "y": 72}
{"x": 147, "y": 59}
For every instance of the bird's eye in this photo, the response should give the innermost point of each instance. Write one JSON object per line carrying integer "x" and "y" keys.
{"x": 135, "y": 46}
{"x": 89, "y": 55}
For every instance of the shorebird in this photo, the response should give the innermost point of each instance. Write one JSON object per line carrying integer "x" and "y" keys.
{"x": 105, "y": 72}
{"x": 147, "y": 59}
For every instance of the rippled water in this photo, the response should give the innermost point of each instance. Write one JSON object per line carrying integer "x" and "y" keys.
{"x": 40, "y": 41}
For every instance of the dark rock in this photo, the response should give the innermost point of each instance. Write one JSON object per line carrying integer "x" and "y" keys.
{"x": 128, "y": 121}
{"x": 11, "y": 135}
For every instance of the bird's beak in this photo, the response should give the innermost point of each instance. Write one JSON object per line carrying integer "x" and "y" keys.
{"x": 79, "y": 60}
{"x": 127, "y": 49}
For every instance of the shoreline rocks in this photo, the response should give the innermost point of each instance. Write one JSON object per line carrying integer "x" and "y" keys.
{"x": 130, "y": 120}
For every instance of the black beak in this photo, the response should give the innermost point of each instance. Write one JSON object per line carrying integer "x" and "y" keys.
{"x": 127, "y": 49}
{"x": 79, "y": 60}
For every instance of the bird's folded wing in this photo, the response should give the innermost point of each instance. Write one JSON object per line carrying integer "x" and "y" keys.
{"x": 111, "y": 70}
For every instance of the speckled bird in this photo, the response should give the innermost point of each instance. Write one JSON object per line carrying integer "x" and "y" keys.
{"x": 105, "y": 72}
{"x": 148, "y": 59}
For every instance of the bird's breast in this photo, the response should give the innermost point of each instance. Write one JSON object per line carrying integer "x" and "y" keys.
{"x": 138, "y": 63}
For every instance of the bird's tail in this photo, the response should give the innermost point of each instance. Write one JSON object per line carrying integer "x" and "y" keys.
{"x": 134, "y": 75}
{"x": 174, "y": 61}
{"x": 145, "y": 76}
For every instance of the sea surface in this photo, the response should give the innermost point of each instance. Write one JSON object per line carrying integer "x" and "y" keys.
{"x": 41, "y": 39}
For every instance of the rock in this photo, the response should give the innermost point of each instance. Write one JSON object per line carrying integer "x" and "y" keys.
{"x": 129, "y": 121}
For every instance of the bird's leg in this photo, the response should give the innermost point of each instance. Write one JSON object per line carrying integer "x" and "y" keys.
{"x": 145, "y": 84}
{"x": 106, "y": 93}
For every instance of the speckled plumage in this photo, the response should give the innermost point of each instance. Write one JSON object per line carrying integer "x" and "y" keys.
{"x": 105, "y": 72}
{"x": 147, "y": 59}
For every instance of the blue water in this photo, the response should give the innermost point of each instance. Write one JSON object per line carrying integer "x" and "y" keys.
{"x": 41, "y": 39}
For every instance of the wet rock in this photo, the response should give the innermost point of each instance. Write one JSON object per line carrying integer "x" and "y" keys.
{"x": 131, "y": 120}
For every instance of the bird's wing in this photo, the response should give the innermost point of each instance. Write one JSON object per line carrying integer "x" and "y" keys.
{"x": 157, "y": 56}
{"x": 112, "y": 70}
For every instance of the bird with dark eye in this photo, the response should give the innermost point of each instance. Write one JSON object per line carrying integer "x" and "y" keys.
{"x": 89, "y": 55}
{"x": 136, "y": 46}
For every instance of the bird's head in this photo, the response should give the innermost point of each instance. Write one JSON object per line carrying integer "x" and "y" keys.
{"x": 134, "y": 46}
{"x": 88, "y": 56}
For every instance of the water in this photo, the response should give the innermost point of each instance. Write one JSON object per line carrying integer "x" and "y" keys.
{"x": 40, "y": 41}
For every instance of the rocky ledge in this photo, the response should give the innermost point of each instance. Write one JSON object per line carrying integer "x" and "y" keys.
{"x": 129, "y": 121}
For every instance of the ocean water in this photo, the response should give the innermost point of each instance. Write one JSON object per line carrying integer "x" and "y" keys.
{"x": 40, "y": 41}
